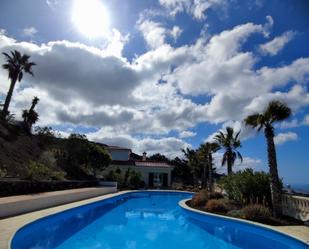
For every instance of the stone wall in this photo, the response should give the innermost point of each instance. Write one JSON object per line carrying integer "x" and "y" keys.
{"x": 296, "y": 206}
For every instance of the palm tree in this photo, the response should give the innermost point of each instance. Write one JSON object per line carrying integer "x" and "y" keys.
{"x": 275, "y": 111}
{"x": 31, "y": 116}
{"x": 193, "y": 163}
{"x": 16, "y": 64}
{"x": 229, "y": 143}
{"x": 206, "y": 151}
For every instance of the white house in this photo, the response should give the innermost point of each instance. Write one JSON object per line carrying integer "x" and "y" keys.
{"x": 154, "y": 174}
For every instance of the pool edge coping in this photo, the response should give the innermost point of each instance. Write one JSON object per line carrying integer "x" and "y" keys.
{"x": 183, "y": 205}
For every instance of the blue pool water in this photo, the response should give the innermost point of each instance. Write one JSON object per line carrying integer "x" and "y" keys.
{"x": 145, "y": 220}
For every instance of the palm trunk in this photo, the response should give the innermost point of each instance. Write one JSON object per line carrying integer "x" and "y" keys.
{"x": 205, "y": 170}
{"x": 229, "y": 164}
{"x": 275, "y": 185}
{"x": 210, "y": 183}
{"x": 8, "y": 98}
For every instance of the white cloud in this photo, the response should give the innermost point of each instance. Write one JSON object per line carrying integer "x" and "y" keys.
{"x": 196, "y": 8}
{"x": 169, "y": 146}
{"x": 82, "y": 85}
{"x": 289, "y": 124}
{"x": 274, "y": 46}
{"x": 116, "y": 43}
{"x": 176, "y": 32}
{"x": 29, "y": 31}
{"x": 285, "y": 137}
{"x": 306, "y": 120}
{"x": 154, "y": 33}
{"x": 186, "y": 134}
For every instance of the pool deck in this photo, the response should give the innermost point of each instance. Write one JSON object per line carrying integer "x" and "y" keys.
{"x": 9, "y": 226}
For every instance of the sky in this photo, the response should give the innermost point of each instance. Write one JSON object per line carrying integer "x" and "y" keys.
{"x": 163, "y": 75}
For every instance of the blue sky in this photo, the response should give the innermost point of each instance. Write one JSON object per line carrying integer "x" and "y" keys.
{"x": 167, "y": 74}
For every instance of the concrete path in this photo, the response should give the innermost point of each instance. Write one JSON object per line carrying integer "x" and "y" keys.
{"x": 301, "y": 232}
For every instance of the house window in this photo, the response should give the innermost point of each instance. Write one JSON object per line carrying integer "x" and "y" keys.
{"x": 157, "y": 179}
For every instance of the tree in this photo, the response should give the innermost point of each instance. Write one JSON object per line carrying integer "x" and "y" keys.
{"x": 16, "y": 64}
{"x": 229, "y": 143}
{"x": 193, "y": 163}
{"x": 275, "y": 111}
{"x": 205, "y": 151}
{"x": 159, "y": 158}
{"x": 99, "y": 158}
{"x": 181, "y": 170}
{"x": 31, "y": 116}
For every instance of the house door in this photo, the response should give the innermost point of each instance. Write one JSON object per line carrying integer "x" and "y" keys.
{"x": 150, "y": 180}
{"x": 165, "y": 180}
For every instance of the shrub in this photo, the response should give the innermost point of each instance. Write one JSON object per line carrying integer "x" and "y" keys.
{"x": 256, "y": 212}
{"x": 215, "y": 195}
{"x": 39, "y": 172}
{"x": 3, "y": 172}
{"x": 200, "y": 198}
{"x": 216, "y": 206}
{"x": 48, "y": 158}
{"x": 135, "y": 180}
{"x": 247, "y": 187}
{"x": 236, "y": 213}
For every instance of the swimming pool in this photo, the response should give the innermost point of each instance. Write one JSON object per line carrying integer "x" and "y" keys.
{"x": 144, "y": 220}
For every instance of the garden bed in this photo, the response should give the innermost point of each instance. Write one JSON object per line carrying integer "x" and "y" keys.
{"x": 252, "y": 212}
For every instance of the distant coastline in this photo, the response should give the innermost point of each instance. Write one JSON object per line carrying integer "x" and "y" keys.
{"x": 302, "y": 188}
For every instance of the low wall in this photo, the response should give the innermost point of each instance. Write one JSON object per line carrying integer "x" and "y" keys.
{"x": 9, "y": 187}
{"x": 296, "y": 207}
{"x": 15, "y": 205}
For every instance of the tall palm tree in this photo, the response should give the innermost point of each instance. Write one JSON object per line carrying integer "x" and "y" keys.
{"x": 16, "y": 64}
{"x": 206, "y": 150}
{"x": 229, "y": 143}
{"x": 275, "y": 111}
{"x": 193, "y": 163}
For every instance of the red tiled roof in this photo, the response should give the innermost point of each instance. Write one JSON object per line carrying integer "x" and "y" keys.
{"x": 142, "y": 163}
{"x": 152, "y": 164}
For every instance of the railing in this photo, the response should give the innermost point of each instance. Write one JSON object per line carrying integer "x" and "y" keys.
{"x": 296, "y": 207}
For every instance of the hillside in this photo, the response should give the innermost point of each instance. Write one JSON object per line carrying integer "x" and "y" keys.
{"x": 17, "y": 148}
{"x": 45, "y": 156}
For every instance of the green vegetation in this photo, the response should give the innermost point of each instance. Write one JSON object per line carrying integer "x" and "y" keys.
{"x": 39, "y": 172}
{"x": 130, "y": 179}
{"x": 247, "y": 187}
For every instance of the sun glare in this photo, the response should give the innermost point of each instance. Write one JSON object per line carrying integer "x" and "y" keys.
{"x": 90, "y": 18}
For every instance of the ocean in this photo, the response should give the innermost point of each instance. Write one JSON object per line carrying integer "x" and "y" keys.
{"x": 300, "y": 188}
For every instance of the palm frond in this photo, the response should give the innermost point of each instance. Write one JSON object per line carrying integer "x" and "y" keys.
{"x": 224, "y": 159}
{"x": 252, "y": 120}
{"x": 239, "y": 156}
{"x": 277, "y": 111}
